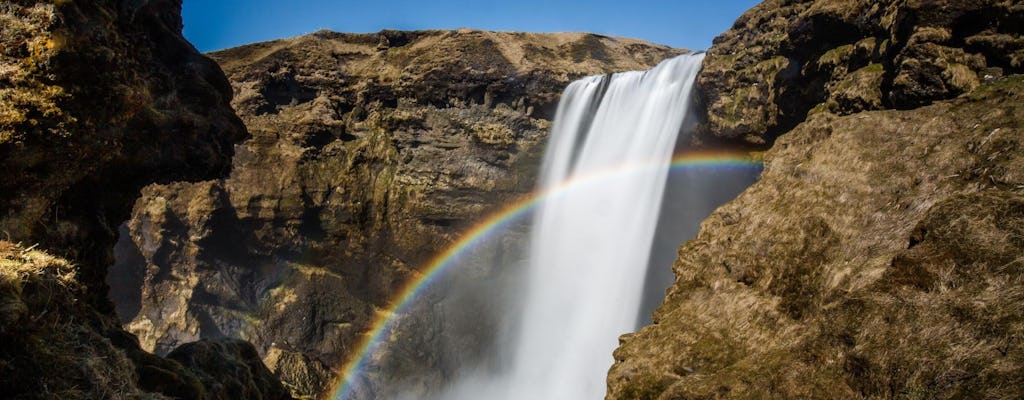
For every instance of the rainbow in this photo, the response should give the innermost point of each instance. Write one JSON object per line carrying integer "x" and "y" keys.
{"x": 495, "y": 222}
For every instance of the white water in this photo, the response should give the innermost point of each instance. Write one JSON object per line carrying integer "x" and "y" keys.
{"x": 590, "y": 244}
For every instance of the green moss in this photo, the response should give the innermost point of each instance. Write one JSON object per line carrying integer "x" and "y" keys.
{"x": 997, "y": 88}
{"x": 858, "y": 91}
{"x": 646, "y": 387}
{"x": 714, "y": 350}
{"x": 820, "y": 108}
{"x": 836, "y": 56}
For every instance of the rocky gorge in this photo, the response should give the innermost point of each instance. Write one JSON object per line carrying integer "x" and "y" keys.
{"x": 369, "y": 154}
{"x": 278, "y": 195}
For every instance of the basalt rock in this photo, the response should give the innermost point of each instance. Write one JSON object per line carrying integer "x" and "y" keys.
{"x": 879, "y": 256}
{"x": 370, "y": 153}
{"x": 785, "y": 59}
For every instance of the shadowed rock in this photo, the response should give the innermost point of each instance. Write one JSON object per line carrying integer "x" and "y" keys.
{"x": 54, "y": 345}
{"x": 97, "y": 100}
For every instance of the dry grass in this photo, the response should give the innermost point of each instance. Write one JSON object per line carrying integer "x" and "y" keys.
{"x": 28, "y": 101}
{"x": 51, "y": 344}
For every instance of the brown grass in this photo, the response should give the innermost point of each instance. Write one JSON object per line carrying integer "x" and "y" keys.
{"x": 50, "y": 343}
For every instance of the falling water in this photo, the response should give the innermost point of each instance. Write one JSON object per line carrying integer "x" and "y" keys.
{"x": 589, "y": 246}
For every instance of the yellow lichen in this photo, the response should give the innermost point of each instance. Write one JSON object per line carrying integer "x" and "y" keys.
{"x": 494, "y": 134}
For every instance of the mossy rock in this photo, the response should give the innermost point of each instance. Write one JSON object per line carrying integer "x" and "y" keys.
{"x": 878, "y": 256}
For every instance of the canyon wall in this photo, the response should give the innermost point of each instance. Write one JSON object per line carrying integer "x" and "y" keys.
{"x": 370, "y": 154}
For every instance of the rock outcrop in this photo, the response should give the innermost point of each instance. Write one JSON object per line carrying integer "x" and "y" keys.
{"x": 784, "y": 59}
{"x": 879, "y": 256}
{"x": 53, "y": 344}
{"x": 97, "y": 100}
{"x": 370, "y": 153}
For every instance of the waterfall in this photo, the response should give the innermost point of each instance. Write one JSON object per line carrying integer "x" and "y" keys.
{"x": 605, "y": 169}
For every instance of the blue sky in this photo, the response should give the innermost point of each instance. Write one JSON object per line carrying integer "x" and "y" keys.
{"x": 218, "y": 24}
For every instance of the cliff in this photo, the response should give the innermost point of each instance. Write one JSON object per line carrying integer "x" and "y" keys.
{"x": 55, "y": 345}
{"x": 97, "y": 100}
{"x": 879, "y": 256}
{"x": 370, "y": 153}
{"x": 784, "y": 59}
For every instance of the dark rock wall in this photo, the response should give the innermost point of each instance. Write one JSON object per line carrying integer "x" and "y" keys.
{"x": 97, "y": 100}
{"x": 54, "y": 345}
{"x": 369, "y": 155}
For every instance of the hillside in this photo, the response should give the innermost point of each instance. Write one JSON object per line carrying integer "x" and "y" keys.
{"x": 879, "y": 256}
{"x": 180, "y": 225}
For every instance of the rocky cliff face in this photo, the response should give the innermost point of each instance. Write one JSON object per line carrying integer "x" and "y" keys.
{"x": 880, "y": 254}
{"x": 369, "y": 154}
{"x": 784, "y": 59}
{"x": 97, "y": 100}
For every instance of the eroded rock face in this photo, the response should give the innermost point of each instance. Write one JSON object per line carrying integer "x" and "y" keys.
{"x": 369, "y": 155}
{"x": 784, "y": 59}
{"x": 879, "y": 256}
{"x": 97, "y": 100}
